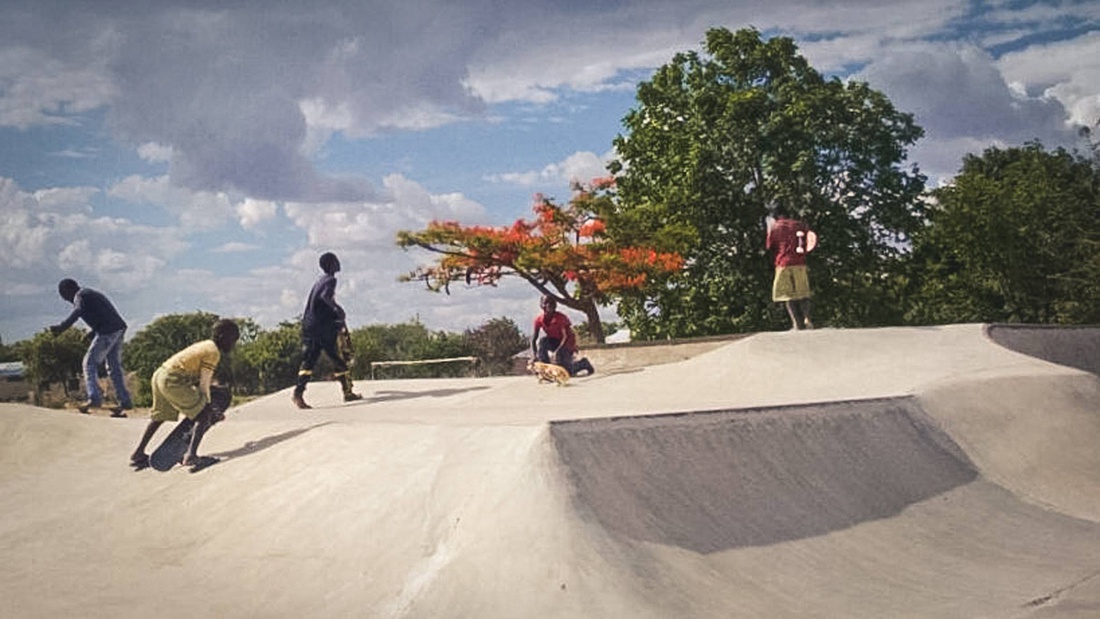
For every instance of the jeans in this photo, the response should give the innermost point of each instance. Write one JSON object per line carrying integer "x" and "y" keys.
{"x": 106, "y": 347}
{"x": 563, "y": 357}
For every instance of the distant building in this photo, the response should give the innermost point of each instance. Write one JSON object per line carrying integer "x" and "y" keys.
{"x": 13, "y": 382}
{"x": 11, "y": 370}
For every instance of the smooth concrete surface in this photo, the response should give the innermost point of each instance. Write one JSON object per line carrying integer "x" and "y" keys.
{"x": 900, "y": 472}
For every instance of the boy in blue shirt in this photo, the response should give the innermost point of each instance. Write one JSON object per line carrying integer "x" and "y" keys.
{"x": 109, "y": 330}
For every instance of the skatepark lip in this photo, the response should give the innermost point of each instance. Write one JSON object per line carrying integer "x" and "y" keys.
{"x": 917, "y": 472}
{"x": 1072, "y": 346}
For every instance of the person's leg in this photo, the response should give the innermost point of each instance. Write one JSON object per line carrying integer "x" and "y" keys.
{"x": 311, "y": 351}
{"x": 165, "y": 390}
{"x": 340, "y": 366}
{"x": 97, "y": 351}
{"x": 202, "y": 424}
{"x": 783, "y": 291}
{"x": 583, "y": 365}
{"x": 800, "y": 280}
{"x": 795, "y": 313}
{"x": 564, "y": 358}
{"x": 139, "y": 455}
{"x": 804, "y": 309}
{"x": 114, "y": 368}
{"x": 547, "y": 344}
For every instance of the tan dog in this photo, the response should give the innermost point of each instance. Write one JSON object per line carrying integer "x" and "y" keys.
{"x": 548, "y": 372}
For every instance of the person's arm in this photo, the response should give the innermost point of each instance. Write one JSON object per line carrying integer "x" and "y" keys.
{"x": 78, "y": 310}
{"x": 206, "y": 378}
{"x": 328, "y": 297}
{"x": 569, "y": 342}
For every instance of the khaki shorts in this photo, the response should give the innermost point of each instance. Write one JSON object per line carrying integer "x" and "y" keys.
{"x": 791, "y": 283}
{"x": 174, "y": 394}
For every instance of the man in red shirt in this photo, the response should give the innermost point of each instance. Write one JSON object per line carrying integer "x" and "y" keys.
{"x": 787, "y": 238}
{"x": 559, "y": 345}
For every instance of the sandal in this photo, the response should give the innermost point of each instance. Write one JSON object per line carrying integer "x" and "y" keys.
{"x": 202, "y": 462}
{"x": 140, "y": 462}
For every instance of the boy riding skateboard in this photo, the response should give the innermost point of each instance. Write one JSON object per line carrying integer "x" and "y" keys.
{"x": 182, "y": 385}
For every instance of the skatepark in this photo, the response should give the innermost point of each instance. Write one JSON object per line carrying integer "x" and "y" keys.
{"x": 899, "y": 472}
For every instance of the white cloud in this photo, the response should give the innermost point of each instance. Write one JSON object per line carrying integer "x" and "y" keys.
{"x": 355, "y": 225}
{"x": 54, "y": 233}
{"x": 155, "y": 153}
{"x": 1068, "y": 71}
{"x": 195, "y": 209}
{"x": 959, "y": 95}
{"x": 37, "y": 88}
{"x": 235, "y": 248}
{"x": 64, "y": 199}
{"x": 251, "y": 213}
{"x": 238, "y": 99}
{"x": 578, "y": 167}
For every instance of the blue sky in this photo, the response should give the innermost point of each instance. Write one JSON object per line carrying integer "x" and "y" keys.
{"x": 184, "y": 156}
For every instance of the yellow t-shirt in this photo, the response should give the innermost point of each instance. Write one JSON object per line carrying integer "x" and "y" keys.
{"x": 191, "y": 361}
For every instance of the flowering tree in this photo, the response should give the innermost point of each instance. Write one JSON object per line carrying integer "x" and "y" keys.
{"x": 566, "y": 253}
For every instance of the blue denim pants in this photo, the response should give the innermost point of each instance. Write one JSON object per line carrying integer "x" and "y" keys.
{"x": 564, "y": 358}
{"x": 106, "y": 347}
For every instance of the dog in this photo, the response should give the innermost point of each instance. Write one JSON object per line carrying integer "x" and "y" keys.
{"x": 548, "y": 372}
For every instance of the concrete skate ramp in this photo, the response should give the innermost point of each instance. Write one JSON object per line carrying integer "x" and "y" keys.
{"x": 1076, "y": 347}
{"x": 718, "y": 480}
{"x": 863, "y": 473}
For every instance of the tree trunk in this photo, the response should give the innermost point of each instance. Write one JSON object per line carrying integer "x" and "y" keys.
{"x": 595, "y": 327}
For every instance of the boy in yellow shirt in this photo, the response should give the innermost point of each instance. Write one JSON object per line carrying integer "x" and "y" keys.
{"x": 182, "y": 385}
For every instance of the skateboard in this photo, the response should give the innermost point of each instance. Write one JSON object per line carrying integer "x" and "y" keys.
{"x": 172, "y": 449}
{"x": 807, "y": 241}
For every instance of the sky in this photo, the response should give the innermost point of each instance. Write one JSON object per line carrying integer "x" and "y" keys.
{"x": 186, "y": 156}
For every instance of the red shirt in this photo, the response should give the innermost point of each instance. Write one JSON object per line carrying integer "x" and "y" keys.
{"x": 558, "y": 327}
{"x": 783, "y": 239}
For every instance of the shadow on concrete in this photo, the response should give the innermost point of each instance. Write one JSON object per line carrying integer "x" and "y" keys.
{"x": 392, "y": 395}
{"x": 719, "y": 480}
{"x": 252, "y": 447}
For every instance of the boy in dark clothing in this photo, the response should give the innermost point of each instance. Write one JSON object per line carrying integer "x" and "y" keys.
{"x": 321, "y": 324}
{"x": 109, "y": 330}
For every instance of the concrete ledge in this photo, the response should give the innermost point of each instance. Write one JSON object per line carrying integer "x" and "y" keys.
{"x": 634, "y": 355}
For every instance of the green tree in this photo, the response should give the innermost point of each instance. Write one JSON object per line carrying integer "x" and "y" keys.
{"x": 409, "y": 341}
{"x": 495, "y": 343}
{"x": 269, "y": 361}
{"x": 50, "y": 359}
{"x": 1015, "y": 237}
{"x": 715, "y": 140}
{"x": 8, "y": 353}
